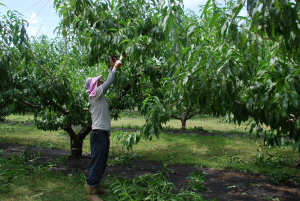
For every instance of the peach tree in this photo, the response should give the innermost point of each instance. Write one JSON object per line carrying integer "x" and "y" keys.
{"x": 219, "y": 61}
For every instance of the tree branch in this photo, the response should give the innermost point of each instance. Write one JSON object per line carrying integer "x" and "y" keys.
{"x": 187, "y": 112}
{"x": 42, "y": 68}
{"x": 52, "y": 103}
{"x": 85, "y": 131}
{"x": 174, "y": 103}
{"x": 58, "y": 107}
{"x": 149, "y": 86}
{"x": 69, "y": 130}
{"x": 190, "y": 116}
{"x": 175, "y": 117}
{"x": 238, "y": 102}
{"x": 152, "y": 116}
{"x": 29, "y": 104}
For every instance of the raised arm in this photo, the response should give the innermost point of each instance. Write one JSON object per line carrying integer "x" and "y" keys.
{"x": 111, "y": 77}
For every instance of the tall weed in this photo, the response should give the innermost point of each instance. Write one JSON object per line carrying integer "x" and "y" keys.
{"x": 149, "y": 187}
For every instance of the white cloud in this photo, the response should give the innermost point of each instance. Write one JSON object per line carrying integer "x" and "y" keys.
{"x": 194, "y": 6}
{"x": 33, "y": 19}
{"x": 32, "y": 30}
{"x": 193, "y": 3}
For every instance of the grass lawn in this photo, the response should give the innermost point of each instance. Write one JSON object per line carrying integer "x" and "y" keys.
{"x": 130, "y": 119}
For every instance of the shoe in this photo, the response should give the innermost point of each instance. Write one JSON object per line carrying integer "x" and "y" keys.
{"x": 92, "y": 193}
{"x": 101, "y": 190}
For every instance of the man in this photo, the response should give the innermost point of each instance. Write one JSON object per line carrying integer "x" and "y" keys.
{"x": 99, "y": 137}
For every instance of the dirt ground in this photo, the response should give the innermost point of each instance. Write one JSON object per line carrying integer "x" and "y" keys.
{"x": 221, "y": 184}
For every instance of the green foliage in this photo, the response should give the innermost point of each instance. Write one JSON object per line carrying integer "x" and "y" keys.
{"x": 196, "y": 180}
{"x": 218, "y": 62}
{"x": 233, "y": 159}
{"x": 148, "y": 187}
{"x": 279, "y": 178}
{"x": 122, "y": 158}
{"x": 265, "y": 158}
{"x": 200, "y": 128}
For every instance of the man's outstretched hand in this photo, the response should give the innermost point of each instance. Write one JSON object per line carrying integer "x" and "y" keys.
{"x": 114, "y": 63}
{"x": 118, "y": 64}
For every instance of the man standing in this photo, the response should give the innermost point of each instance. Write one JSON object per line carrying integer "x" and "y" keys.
{"x": 99, "y": 137}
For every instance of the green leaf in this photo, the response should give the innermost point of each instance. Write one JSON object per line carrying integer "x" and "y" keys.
{"x": 237, "y": 8}
{"x": 206, "y": 7}
{"x": 140, "y": 38}
{"x": 190, "y": 30}
{"x": 243, "y": 40}
{"x": 124, "y": 41}
{"x": 185, "y": 80}
{"x": 213, "y": 20}
{"x": 224, "y": 28}
{"x": 293, "y": 100}
{"x": 296, "y": 146}
{"x": 184, "y": 51}
{"x": 161, "y": 3}
{"x": 265, "y": 98}
{"x": 168, "y": 27}
{"x": 285, "y": 100}
{"x": 165, "y": 22}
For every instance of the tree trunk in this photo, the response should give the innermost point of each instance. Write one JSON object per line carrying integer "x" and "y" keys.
{"x": 183, "y": 123}
{"x": 77, "y": 140}
{"x": 76, "y": 146}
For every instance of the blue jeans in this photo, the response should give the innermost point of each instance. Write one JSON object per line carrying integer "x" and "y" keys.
{"x": 99, "y": 154}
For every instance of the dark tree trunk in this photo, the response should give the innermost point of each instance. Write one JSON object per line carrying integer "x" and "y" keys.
{"x": 77, "y": 140}
{"x": 185, "y": 117}
{"x": 76, "y": 146}
{"x": 183, "y": 123}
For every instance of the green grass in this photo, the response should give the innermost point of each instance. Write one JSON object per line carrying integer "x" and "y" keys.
{"x": 45, "y": 185}
{"x": 21, "y": 181}
{"x": 34, "y": 182}
{"x": 29, "y": 135}
{"x": 134, "y": 120}
{"x": 21, "y": 118}
{"x": 231, "y": 153}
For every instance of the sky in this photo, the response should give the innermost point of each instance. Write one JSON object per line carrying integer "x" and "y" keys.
{"x": 43, "y": 18}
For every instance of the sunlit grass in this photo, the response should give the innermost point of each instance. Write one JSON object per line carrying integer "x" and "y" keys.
{"x": 211, "y": 124}
{"x": 130, "y": 119}
{"x": 232, "y": 153}
{"x": 44, "y": 185}
{"x": 21, "y": 118}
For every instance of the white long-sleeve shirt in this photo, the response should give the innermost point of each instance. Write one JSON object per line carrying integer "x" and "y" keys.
{"x": 99, "y": 105}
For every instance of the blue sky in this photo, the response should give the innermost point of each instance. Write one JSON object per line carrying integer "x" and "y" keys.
{"x": 43, "y": 19}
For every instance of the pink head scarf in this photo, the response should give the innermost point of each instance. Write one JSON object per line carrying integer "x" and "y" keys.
{"x": 91, "y": 85}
